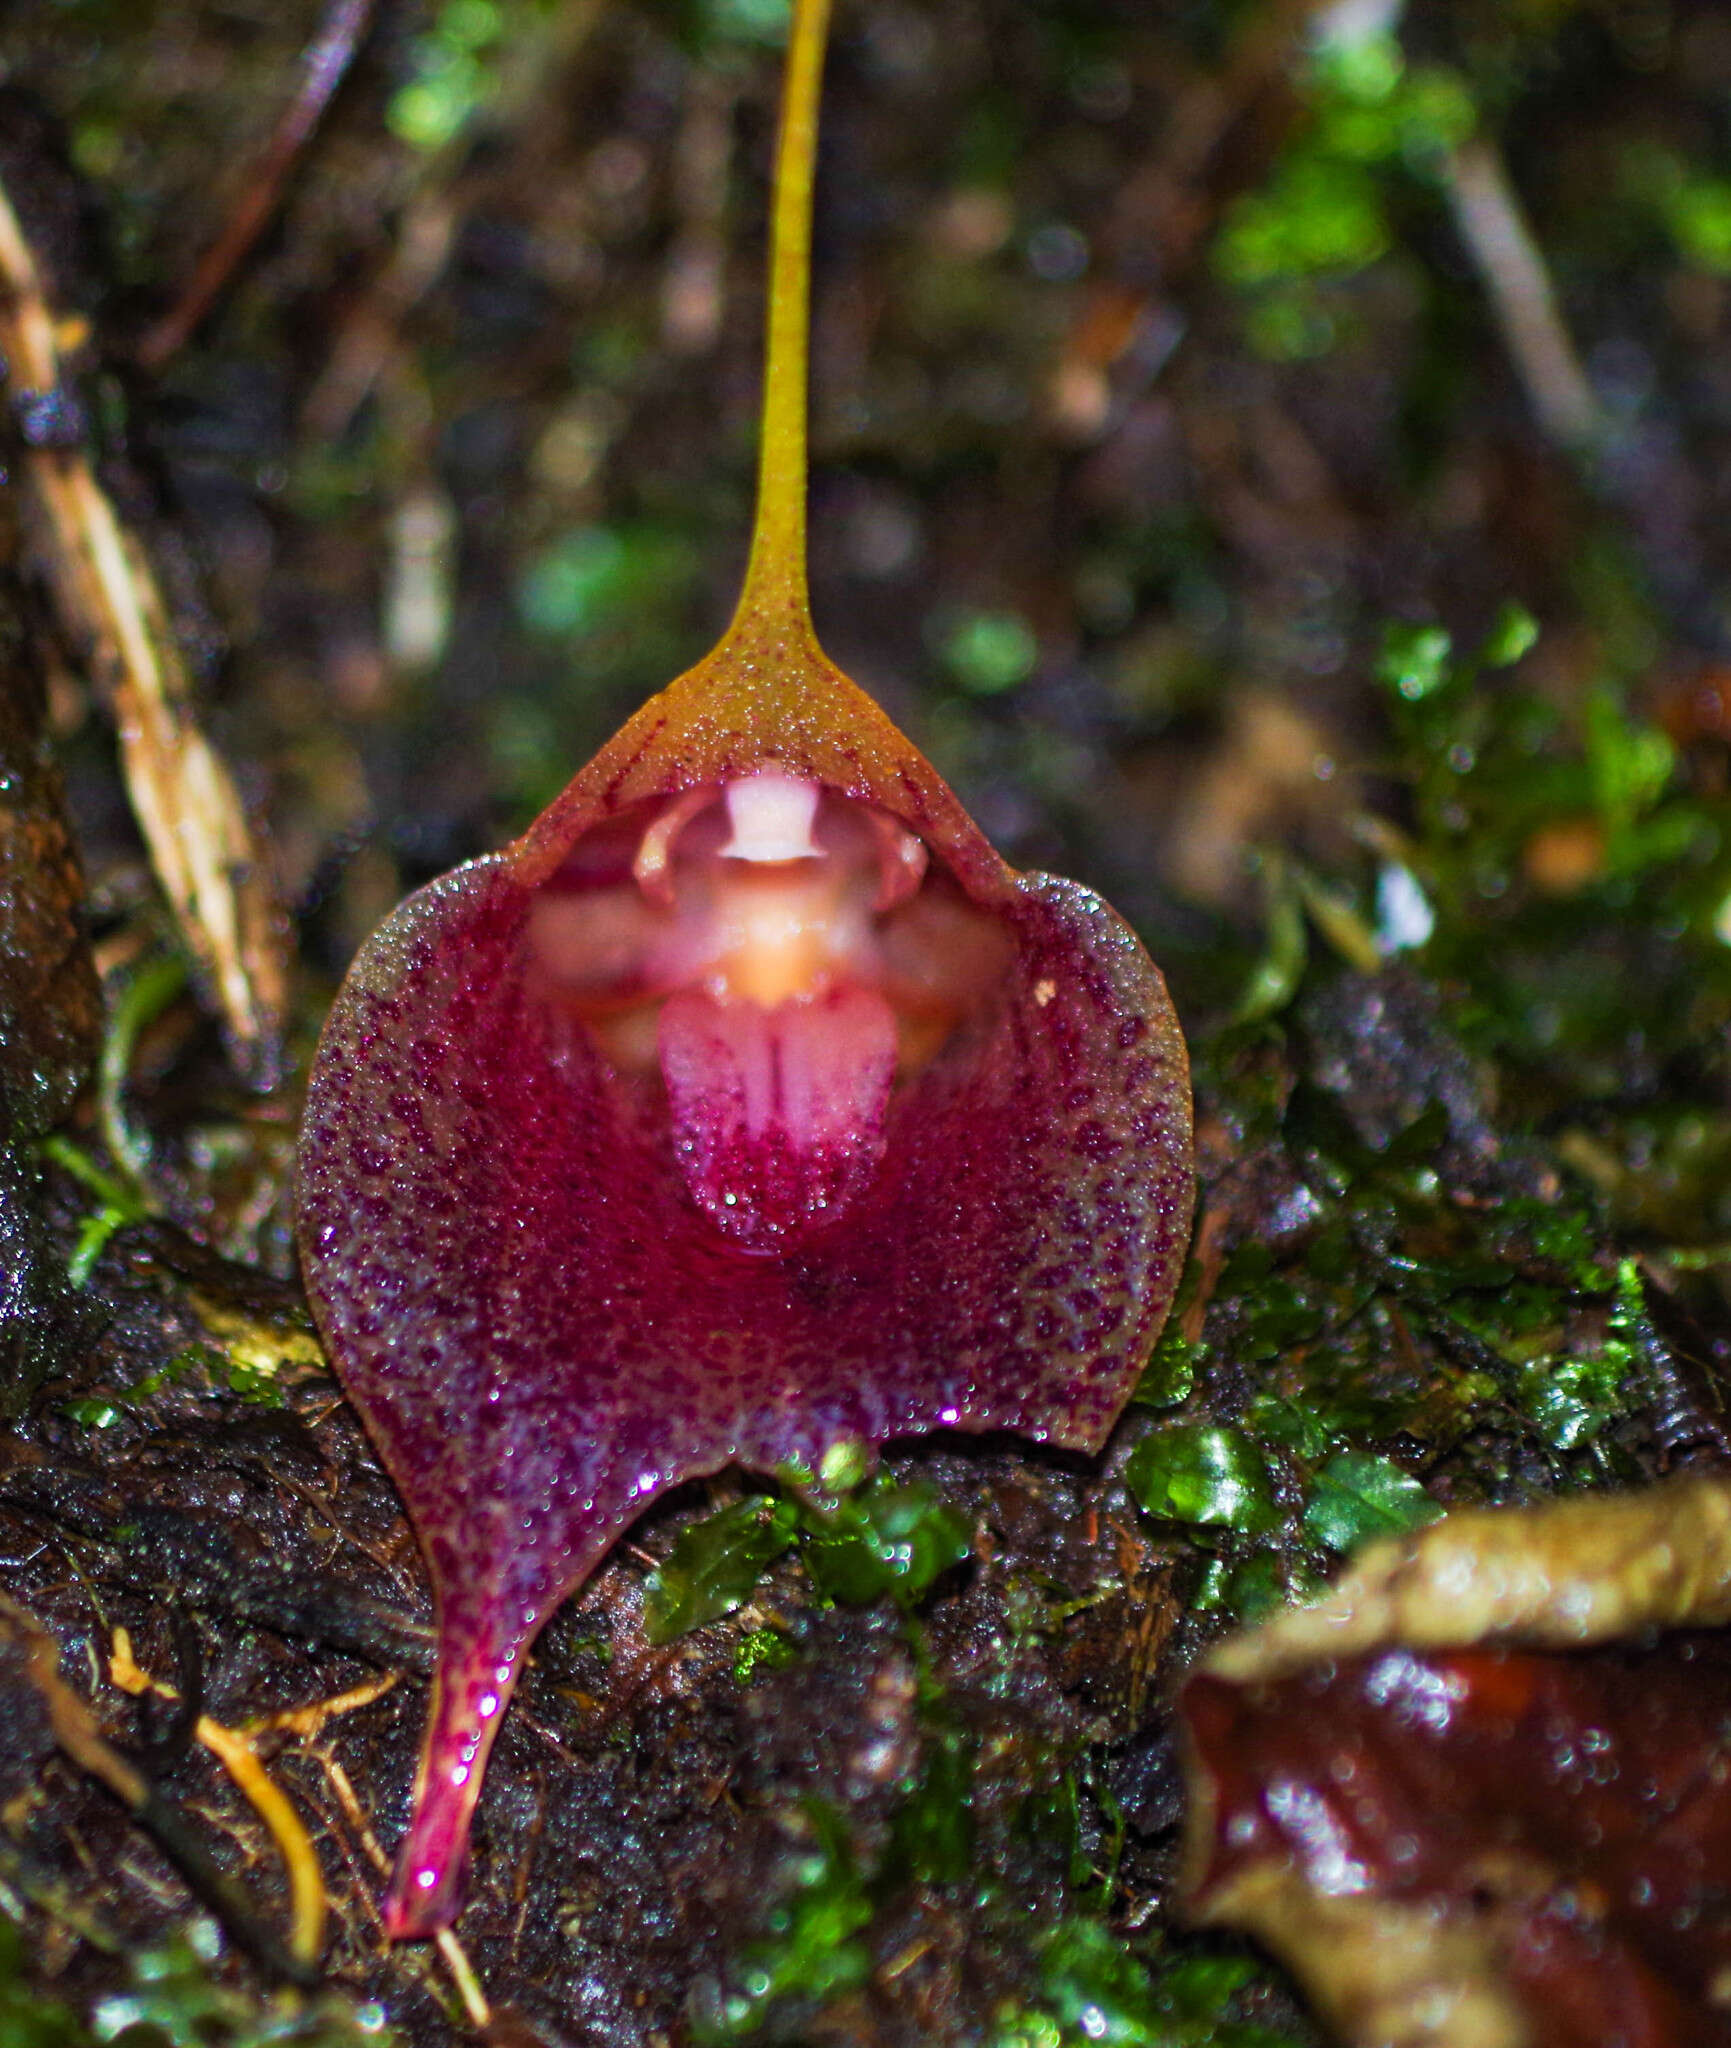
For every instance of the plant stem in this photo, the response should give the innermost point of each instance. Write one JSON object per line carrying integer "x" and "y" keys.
{"x": 775, "y": 577}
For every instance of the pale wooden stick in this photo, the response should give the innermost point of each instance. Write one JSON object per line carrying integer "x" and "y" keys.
{"x": 210, "y": 866}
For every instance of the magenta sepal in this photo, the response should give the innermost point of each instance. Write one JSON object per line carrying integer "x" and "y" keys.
{"x": 543, "y": 1331}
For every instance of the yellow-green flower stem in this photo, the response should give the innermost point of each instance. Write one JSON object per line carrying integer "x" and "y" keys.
{"x": 775, "y": 578}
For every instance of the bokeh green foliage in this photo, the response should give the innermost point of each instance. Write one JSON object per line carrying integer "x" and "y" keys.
{"x": 454, "y": 67}
{"x": 173, "y": 1998}
{"x": 1630, "y": 943}
{"x": 1419, "y": 1332}
{"x": 1085, "y": 1982}
{"x": 1372, "y": 122}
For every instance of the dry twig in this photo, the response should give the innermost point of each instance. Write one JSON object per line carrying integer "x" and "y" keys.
{"x": 1495, "y": 231}
{"x": 76, "y": 1732}
{"x": 235, "y": 1754}
{"x": 324, "y": 68}
{"x": 112, "y": 614}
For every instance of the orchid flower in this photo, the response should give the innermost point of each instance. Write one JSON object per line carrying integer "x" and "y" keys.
{"x": 747, "y": 1107}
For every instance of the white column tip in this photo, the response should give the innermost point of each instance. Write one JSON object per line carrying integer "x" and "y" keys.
{"x": 771, "y": 814}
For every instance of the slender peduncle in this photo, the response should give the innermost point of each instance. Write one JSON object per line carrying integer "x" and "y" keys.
{"x": 775, "y": 577}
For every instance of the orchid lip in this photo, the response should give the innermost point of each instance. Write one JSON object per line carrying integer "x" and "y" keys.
{"x": 780, "y": 959}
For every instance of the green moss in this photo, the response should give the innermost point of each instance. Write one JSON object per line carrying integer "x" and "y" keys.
{"x": 986, "y": 653}
{"x": 875, "y": 1539}
{"x": 453, "y": 72}
{"x": 932, "y": 1834}
{"x": 765, "y": 1649}
{"x": 1358, "y": 1495}
{"x": 715, "y": 1564}
{"x": 1170, "y": 1374}
{"x": 27, "y": 2019}
{"x": 810, "y": 1948}
{"x": 173, "y": 2000}
{"x": 1325, "y": 213}
{"x": 886, "y": 1539}
{"x": 1095, "y": 1986}
{"x": 1202, "y": 1474}
{"x": 1692, "y": 207}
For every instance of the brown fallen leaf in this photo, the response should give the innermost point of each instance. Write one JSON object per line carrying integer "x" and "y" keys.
{"x": 1469, "y": 1799}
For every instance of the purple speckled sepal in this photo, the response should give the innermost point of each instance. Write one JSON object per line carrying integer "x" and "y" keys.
{"x": 543, "y": 1330}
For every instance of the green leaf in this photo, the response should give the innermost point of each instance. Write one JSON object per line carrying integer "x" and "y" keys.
{"x": 1195, "y": 1472}
{"x": 888, "y": 1539}
{"x": 810, "y": 1948}
{"x": 932, "y": 1830}
{"x": 715, "y": 1565}
{"x": 1275, "y": 978}
{"x": 1513, "y": 634}
{"x": 1358, "y": 1495}
{"x": 1170, "y": 1374}
{"x": 1414, "y": 661}
{"x": 91, "y": 1413}
{"x": 988, "y": 652}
